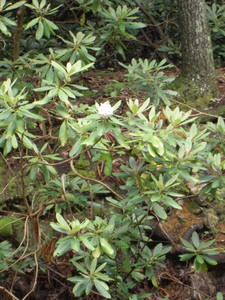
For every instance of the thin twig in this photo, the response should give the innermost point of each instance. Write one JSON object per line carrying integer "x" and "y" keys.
{"x": 194, "y": 109}
{"x": 64, "y": 194}
{"x": 17, "y": 249}
{"x": 9, "y": 293}
{"x": 92, "y": 199}
{"x": 35, "y": 277}
{"x": 154, "y": 22}
{"x": 186, "y": 285}
{"x": 94, "y": 180}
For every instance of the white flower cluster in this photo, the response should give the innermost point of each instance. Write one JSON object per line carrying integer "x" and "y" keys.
{"x": 105, "y": 110}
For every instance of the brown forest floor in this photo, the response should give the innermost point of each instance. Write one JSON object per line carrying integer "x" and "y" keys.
{"x": 105, "y": 81}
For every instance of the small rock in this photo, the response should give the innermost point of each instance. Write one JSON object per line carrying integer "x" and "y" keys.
{"x": 210, "y": 218}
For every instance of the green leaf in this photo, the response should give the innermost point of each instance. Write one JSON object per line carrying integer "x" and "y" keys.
{"x": 62, "y": 95}
{"x": 89, "y": 287}
{"x": 43, "y": 3}
{"x": 210, "y": 251}
{"x": 108, "y": 164}
{"x": 106, "y": 246}
{"x": 87, "y": 243}
{"x": 55, "y": 226}
{"x": 137, "y": 275}
{"x": 5, "y": 114}
{"x": 62, "y": 221}
{"x": 172, "y": 180}
{"x": 200, "y": 267}
{"x": 28, "y": 114}
{"x": 199, "y": 148}
{"x": 35, "y": 3}
{"x": 27, "y": 142}
{"x": 120, "y": 139}
{"x": 80, "y": 288}
{"x": 100, "y": 267}
{"x": 195, "y": 239}
{"x": 93, "y": 265}
{"x": 200, "y": 259}
{"x": 75, "y": 244}
{"x": 63, "y": 247}
{"x": 151, "y": 151}
{"x": 52, "y": 26}
{"x": 75, "y": 279}
{"x": 186, "y": 257}
{"x": 97, "y": 252}
{"x": 219, "y": 296}
{"x": 91, "y": 140}
{"x": 206, "y": 245}
{"x": 80, "y": 268}
{"x": 63, "y": 133}
{"x": 133, "y": 163}
{"x": 15, "y": 5}
{"x": 155, "y": 197}
{"x": 14, "y": 142}
{"x": 58, "y": 67}
{"x": 32, "y": 23}
{"x": 157, "y": 250}
{"x": 159, "y": 210}
{"x": 47, "y": 31}
{"x": 170, "y": 202}
{"x": 102, "y": 288}
{"x": 209, "y": 260}
{"x": 187, "y": 244}
{"x": 40, "y": 30}
{"x": 76, "y": 148}
{"x": 2, "y": 4}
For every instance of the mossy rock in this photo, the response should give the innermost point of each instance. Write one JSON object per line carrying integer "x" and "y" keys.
{"x": 82, "y": 164}
{"x": 6, "y": 179}
{"x": 6, "y": 228}
{"x": 191, "y": 94}
{"x": 88, "y": 173}
{"x": 10, "y": 226}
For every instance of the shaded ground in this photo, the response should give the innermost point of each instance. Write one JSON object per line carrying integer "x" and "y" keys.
{"x": 103, "y": 82}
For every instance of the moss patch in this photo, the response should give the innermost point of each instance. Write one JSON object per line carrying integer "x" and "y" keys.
{"x": 9, "y": 226}
{"x": 191, "y": 93}
{"x": 9, "y": 185}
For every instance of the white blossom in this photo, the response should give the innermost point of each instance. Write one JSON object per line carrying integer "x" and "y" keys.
{"x": 105, "y": 110}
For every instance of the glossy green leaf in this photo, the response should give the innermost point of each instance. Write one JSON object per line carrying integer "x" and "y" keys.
{"x": 195, "y": 239}
{"x": 40, "y": 30}
{"x": 87, "y": 243}
{"x": 170, "y": 202}
{"x": 32, "y": 23}
{"x": 63, "y": 247}
{"x": 186, "y": 257}
{"x": 80, "y": 288}
{"x": 209, "y": 260}
{"x": 106, "y": 246}
{"x": 155, "y": 197}
{"x": 63, "y": 133}
{"x": 159, "y": 210}
{"x": 102, "y": 288}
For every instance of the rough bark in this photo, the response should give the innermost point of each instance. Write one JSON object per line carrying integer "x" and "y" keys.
{"x": 197, "y": 57}
{"x": 18, "y": 32}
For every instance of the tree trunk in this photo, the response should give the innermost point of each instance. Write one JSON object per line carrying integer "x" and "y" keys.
{"x": 197, "y": 57}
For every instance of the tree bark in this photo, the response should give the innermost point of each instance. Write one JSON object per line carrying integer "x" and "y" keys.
{"x": 18, "y": 32}
{"x": 197, "y": 57}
